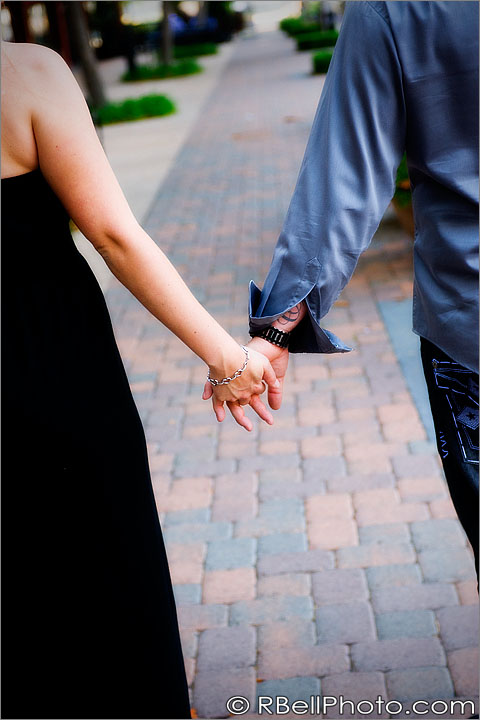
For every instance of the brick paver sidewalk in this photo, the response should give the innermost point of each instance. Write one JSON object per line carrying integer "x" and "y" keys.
{"x": 323, "y": 554}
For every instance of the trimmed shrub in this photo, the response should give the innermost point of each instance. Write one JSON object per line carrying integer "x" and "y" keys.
{"x": 310, "y": 41}
{"x": 188, "y": 51}
{"x": 296, "y": 26}
{"x": 403, "y": 193}
{"x": 321, "y": 60}
{"x": 161, "y": 72}
{"x": 134, "y": 109}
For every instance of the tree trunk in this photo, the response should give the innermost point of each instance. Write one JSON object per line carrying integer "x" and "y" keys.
{"x": 80, "y": 37}
{"x": 202, "y": 14}
{"x": 167, "y": 39}
{"x": 59, "y": 39}
{"x": 19, "y": 19}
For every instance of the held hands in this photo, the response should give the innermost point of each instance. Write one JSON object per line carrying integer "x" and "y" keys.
{"x": 245, "y": 389}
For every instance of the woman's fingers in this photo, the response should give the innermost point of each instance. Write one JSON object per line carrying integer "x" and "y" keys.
{"x": 218, "y": 408}
{"x": 261, "y": 409}
{"x": 207, "y": 391}
{"x": 240, "y": 416}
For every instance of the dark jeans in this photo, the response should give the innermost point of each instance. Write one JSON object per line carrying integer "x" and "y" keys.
{"x": 453, "y": 392}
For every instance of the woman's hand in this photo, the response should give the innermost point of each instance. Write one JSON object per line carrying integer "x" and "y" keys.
{"x": 244, "y": 390}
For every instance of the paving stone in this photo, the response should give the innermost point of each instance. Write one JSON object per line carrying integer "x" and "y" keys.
{"x": 397, "y": 653}
{"x": 281, "y": 509}
{"x": 213, "y": 688}
{"x": 287, "y": 584}
{"x": 394, "y": 512}
{"x": 334, "y": 587}
{"x": 287, "y": 489}
{"x": 388, "y": 533}
{"x": 297, "y": 661}
{"x": 181, "y": 517}
{"x": 332, "y": 533}
{"x": 293, "y": 632}
{"x": 202, "y": 617}
{"x": 312, "y": 560}
{"x": 442, "y": 508}
{"x": 188, "y": 594}
{"x": 189, "y": 640}
{"x": 414, "y": 597}
{"x": 187, "y": 466}
{"x": 323, "y": 468}
{"x": 195, "y": 532}
{"x": 393, "y": 576}
{"x": 447, "y": 564}
{"x": 295, "y": 689}
{"x": 463, "y": 666}
{"x": 408, "y": 623}
{"x": 421, "y": 489}
{"x": 458, "y": 626}
{"x": 354, "y": 686}
{"x": 422, "y": 447}
{"x": 264, "y": 462}
{"x": 354, "y": 483}
{"x": 281, "y": 543}
{"x": 231, "y": 647}
{"x": 321, "y": 446}
{"x": 230, "y": 554}
{"x": 329, "y": 506}
{"x": 348, "y": 623}
{"x": 415, "y": 466}
{"x": 375, "y": 554}
{"x": 229, "y": 586}
{"x": 429, "y": 683}
{"x": 270, "y": 609}
{"x": 467, "y": 592}
{"x": 185, "y": 494}
{"x": 437, "y": 533}
{"x": 239, "y": 506}
{"x": 279, "y": 475}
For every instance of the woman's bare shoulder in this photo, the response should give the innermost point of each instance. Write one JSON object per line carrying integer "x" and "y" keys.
{"x": 32, "y": 57}
{"x": 43, "y": 70}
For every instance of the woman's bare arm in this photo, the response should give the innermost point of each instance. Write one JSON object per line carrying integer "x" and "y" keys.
{"x": 73, "y": 161}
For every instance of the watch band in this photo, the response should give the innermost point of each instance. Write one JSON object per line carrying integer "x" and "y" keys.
{"x": 273, "y": 335}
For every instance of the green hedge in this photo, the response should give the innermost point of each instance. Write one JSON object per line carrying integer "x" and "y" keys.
{"x": 134, "y": 109}
{"x": 188, "y": 51}
{"x": 160, "y": 72}
{"x": 321, "y": 60}
{"x": 310, "y": 41}
{"x": 403, "y": 193}
{"x": 296, "y": 26}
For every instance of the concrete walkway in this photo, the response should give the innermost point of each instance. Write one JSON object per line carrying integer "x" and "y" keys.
{"x": 321, "y": 555}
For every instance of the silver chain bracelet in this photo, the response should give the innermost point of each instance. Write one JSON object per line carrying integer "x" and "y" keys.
{"x": 235, "y": 375}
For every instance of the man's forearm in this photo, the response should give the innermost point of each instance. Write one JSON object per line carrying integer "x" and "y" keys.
{"x": 290, "y": 319}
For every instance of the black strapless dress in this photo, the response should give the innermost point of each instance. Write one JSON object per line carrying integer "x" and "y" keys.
{"x": 89, "y": 625}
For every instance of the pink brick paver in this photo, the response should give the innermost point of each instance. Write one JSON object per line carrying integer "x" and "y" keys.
{"x": 332, "y": 496}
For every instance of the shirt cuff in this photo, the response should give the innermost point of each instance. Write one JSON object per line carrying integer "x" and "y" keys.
{"x": 306, "y": 337}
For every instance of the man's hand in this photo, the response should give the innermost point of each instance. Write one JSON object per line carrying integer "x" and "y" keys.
{"x": 279, "y": 360}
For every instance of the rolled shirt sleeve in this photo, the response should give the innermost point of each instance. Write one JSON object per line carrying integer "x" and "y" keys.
{"x": 346, "y": 180}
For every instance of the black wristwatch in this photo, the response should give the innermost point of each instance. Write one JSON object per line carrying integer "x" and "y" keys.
{"x": 273, "y": 335}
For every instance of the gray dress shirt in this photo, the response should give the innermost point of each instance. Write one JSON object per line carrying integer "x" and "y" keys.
{"x": 404, "y": 76}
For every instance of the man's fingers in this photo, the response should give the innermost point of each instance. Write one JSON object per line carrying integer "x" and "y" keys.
{"x": 261, "y": 409}
{"x": 218, "y": 409}
{"x": 269, "y": 375}
{"x": 240, "y": 416}
{"x": 275, "y": 395}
